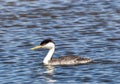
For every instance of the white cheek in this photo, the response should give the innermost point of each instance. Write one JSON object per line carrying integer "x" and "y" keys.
{"x": 49, "y": 46}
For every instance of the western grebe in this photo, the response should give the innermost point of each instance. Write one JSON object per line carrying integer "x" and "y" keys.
{"x": 65, "y": 60}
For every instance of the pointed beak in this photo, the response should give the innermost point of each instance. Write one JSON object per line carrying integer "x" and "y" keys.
{"x": 36, "y": 47}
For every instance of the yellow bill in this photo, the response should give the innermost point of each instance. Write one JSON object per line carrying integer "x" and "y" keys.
{"x": 36, "y": 47}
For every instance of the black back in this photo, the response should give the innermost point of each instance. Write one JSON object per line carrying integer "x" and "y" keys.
{"x": 45, "y": 41}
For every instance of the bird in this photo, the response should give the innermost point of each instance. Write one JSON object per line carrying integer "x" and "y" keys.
{"x": 63, "y": 60}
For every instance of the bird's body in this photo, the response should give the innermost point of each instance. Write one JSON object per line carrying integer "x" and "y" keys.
{"x": 64, "y": 60}
{"x": 69, "y": 60}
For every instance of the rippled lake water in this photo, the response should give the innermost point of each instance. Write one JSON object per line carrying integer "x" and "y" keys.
{"x": 87, "y": 28}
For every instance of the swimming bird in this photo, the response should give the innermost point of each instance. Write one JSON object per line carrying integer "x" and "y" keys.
{"x": 64, "y": 60}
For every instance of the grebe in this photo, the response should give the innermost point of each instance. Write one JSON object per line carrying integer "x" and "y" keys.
{"x": 65, "y": 60}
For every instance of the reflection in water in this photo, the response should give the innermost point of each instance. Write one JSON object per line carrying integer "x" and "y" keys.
{"x": 49, "y": 73}
{"x": 49, "y": 69}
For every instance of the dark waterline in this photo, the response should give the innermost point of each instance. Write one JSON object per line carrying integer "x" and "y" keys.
{"x": 84, "y": 28}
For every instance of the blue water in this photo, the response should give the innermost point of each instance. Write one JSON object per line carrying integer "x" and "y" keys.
{"x": 87, "y": 28}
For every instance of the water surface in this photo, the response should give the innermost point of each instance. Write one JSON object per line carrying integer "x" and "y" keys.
{"x": 87, "y": 28}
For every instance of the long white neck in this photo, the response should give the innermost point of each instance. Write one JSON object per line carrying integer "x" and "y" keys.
{"x": 48, "y": 56}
